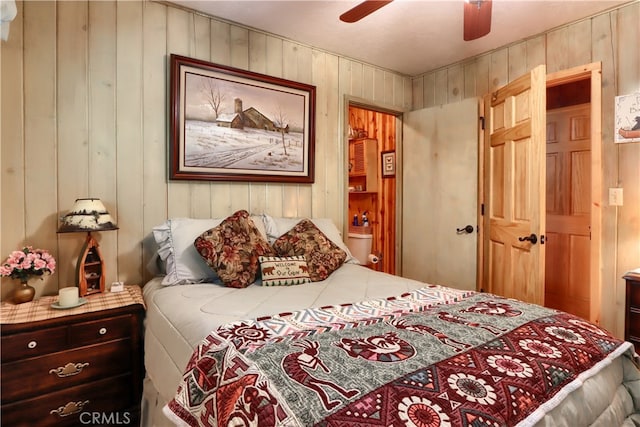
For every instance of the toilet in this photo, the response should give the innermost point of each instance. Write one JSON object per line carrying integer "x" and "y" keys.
{"x": 359, "y": 245}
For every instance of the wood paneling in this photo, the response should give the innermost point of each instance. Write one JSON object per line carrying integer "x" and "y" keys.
{"x": 84, "y": 84}
{"x": 628, "y": 220}
{"x": 611, "y": 38}
{"x": 40, "y": 125}
{"x": 71, "y": 112}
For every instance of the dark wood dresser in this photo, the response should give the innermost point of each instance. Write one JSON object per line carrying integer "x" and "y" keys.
{"x": 84, "y": 368}
{"x": 632, "y": 309}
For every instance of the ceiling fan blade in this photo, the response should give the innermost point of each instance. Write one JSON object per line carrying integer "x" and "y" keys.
{"x": 363, "y": 9}
{"x": 477, "y": 19}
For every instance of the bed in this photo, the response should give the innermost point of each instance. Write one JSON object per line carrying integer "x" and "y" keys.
{"x": 364, "y": 348}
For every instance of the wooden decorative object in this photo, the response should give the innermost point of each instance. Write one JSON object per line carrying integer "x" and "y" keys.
{"x": 90, "y": 268}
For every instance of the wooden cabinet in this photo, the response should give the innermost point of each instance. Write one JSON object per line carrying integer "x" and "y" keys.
{"x": 73, "y": 370}
{"x": 363, "y": 164}
{"x": 632, "y": 309}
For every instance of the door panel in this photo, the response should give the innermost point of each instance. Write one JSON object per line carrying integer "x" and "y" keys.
{"x": 514, "y": 163}
{"x": 440, "y": 176}
{"x": 568, "y": 210}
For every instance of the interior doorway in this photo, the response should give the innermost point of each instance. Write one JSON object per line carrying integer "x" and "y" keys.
{"x": 372, "y": 191}
{"x": 568, "y": 198}
{"x": 514, "y": 260}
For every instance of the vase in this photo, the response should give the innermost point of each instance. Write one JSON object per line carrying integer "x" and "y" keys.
{"x": 23, "y": 292}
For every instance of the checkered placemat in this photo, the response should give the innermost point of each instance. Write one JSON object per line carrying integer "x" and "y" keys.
{"x": 41, "y": 309}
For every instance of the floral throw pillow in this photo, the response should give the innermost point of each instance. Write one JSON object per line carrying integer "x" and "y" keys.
{"x": 284, "y": 271}
{"x": 305, "y": 239}
{"x": 232, "y": 249}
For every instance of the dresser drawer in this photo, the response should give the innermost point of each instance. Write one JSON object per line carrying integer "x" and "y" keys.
{"x": 633, "y": 323}
{"x": 634, "y": 294}
{"x": 36, "y": 376}
{"x": 111, "y": 398}
{"x": 100, "y": 330}
{"x": 35, "y": 343}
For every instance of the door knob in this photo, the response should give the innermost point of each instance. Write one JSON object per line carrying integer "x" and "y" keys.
{"x": 532, "y": 238}
{"x": 468, "y": 229}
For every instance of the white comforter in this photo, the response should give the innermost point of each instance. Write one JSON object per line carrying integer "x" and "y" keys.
{"x": 179, "y": 317}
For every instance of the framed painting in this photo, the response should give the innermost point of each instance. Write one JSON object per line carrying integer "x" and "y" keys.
{"x": 228, "y": 124}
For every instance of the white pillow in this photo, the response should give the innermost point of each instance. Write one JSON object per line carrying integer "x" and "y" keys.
{"x": 183, "y": 263}
{"x": 276, "y": 227}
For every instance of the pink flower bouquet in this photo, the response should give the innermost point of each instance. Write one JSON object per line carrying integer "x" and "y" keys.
{"x": 28, "y": 262}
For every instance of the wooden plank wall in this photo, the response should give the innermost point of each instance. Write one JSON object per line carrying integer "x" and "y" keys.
{"x": 84, "y": 113}
{"x": 611, "y": 38}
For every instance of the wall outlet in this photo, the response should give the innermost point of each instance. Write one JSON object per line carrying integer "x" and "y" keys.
{"x": 615, "y": 197}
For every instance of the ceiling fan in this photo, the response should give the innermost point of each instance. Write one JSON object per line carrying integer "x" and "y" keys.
{"x": 363, "y": 9}
{"x": 477, "y": 15}
{"x": 477, "y": 19}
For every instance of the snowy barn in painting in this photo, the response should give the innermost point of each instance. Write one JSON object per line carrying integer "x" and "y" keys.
{"x": 250, "y": 117}
{"x": 233, "y": 120}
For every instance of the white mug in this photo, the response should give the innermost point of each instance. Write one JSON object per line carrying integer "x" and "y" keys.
{"x": 68, "y": 296}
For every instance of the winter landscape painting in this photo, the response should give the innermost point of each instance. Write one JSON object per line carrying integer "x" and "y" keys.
{"x": 235, "y": 125}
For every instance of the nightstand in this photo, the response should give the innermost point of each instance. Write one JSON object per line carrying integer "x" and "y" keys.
{"x": 632, "y": 309}
{"x": 81, "y": 366}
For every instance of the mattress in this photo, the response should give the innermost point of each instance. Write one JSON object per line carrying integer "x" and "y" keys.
{"x": 179, "y": 317}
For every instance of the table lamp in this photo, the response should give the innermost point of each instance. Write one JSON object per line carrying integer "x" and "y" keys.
{"x": 88, "y": 215}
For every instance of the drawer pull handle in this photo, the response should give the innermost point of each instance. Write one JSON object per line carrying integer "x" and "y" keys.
{"x": 102, "y": 331}
{"x": 32, "y": 344}
{"x": 69, "y": 370}
{"x": 69, "y": 409}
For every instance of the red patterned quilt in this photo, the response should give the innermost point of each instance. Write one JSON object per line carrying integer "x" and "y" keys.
{"x": 432, "y": 357}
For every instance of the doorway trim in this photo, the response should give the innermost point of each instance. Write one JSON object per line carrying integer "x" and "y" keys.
{"x": 353, "y": 101}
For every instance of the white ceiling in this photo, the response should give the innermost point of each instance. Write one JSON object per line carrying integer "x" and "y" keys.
{"x": 407, "y": 36}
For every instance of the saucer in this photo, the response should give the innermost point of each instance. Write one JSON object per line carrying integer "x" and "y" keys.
{"x": 57, "y": 306}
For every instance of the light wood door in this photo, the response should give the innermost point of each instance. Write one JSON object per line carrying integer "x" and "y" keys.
{"x": 440, "y": 177}
{"x": 567, "y": 283}
{"x": 514, "y": 183}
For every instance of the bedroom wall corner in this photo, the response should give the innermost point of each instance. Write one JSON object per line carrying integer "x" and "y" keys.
{"x": 611, "y": 38}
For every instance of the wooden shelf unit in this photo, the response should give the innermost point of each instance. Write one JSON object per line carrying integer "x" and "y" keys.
{"x": 90, "y": 268}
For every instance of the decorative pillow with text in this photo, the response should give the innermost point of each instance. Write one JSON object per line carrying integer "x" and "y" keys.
{"x": 284, "y": 271}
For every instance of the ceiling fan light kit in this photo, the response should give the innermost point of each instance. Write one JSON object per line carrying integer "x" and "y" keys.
{"x": 477, "y": 19}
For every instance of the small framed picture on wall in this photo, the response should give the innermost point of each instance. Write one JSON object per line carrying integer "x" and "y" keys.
{"x": 627, "y": 118}
{"x": 388, "y": 164}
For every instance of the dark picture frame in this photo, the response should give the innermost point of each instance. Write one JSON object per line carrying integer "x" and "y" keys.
{"x": 228, "y": 124}
{"x": 388, "y": 164}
